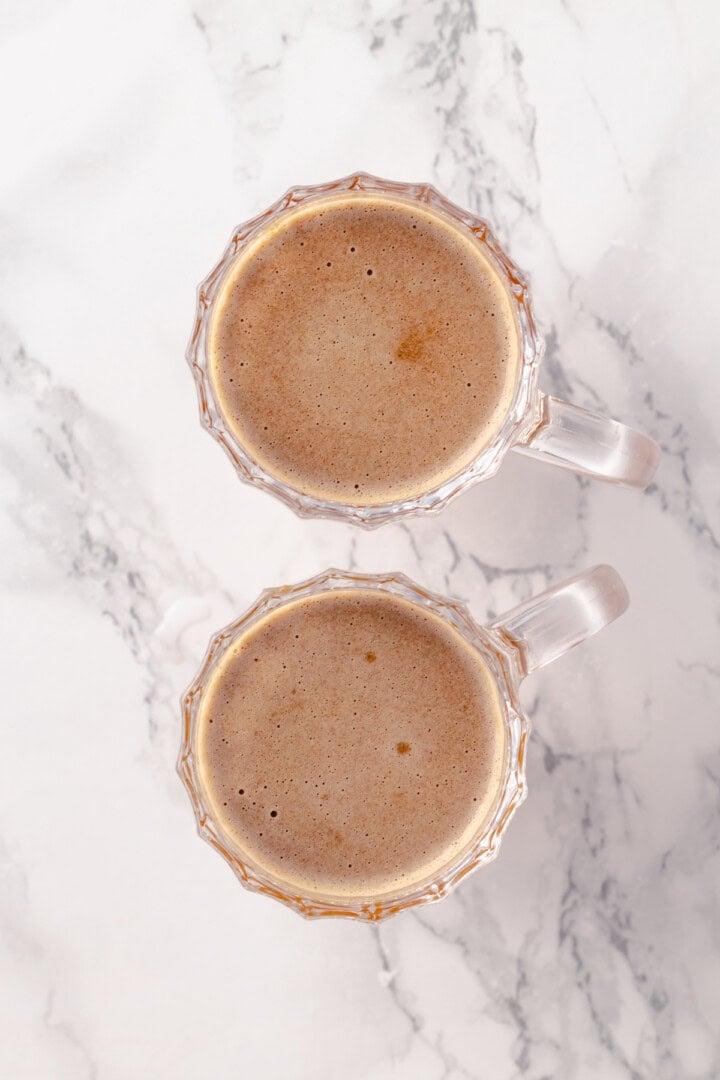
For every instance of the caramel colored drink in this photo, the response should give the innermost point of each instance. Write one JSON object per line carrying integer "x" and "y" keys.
{"x": 351, "y": 743}
{"x": 364, "y": 348}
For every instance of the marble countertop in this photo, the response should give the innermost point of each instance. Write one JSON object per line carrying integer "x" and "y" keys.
{"x": 134, "y": 137}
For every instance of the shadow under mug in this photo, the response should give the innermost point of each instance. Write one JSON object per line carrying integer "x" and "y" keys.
{"x": 535, "y": 423}
{"x": 511, "y": 647}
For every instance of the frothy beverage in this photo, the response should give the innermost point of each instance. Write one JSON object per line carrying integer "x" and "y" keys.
{"x": 351, "y": 743}
{"x": 364, "y": 348}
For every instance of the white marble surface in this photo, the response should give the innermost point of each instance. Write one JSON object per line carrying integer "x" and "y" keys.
{"x": 134, "y": 136}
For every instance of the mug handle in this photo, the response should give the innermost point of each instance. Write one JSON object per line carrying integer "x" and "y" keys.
{"x": 592, "y": 444}
{"x": 563, "y": 616}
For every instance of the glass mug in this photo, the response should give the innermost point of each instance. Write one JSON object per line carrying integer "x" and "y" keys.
{"x": 534, "y": 424}
{"x": 511, "y": 647}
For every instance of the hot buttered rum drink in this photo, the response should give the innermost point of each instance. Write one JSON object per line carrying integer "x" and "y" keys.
{"x": 351, "y": 743}
{"x": 363, "y": 348}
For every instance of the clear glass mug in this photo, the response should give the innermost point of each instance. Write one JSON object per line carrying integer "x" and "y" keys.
{"x": 535, "y": 424}
{"x": 512, "y": 647}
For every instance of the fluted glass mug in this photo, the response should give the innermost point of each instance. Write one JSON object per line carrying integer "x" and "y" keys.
{"x": 534, "y": 423}
{"x": 510, "y": 648}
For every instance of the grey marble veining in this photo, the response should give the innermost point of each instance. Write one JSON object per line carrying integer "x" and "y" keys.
{"x": 135, "y": 137}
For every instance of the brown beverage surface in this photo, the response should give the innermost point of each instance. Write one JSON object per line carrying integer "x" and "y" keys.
{"x": 364, "y": 349}
{"x": 351, "y": 743}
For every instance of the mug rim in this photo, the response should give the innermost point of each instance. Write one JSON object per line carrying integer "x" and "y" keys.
{"x": 502, "y": 662}
{"x": 522, "y": 417}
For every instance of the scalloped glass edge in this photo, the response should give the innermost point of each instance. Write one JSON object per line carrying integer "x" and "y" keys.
{"x": 503, "y": 662}
{"x": 522, "y": 418}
